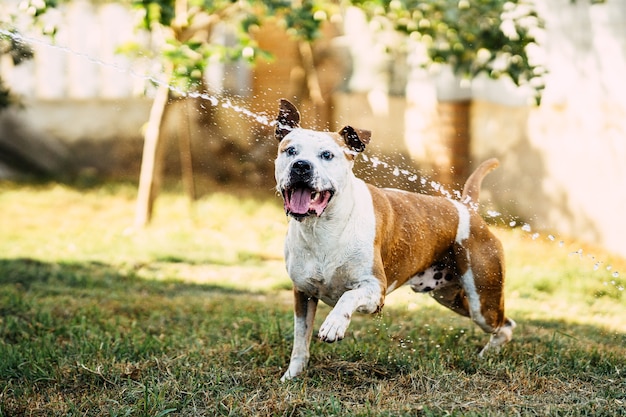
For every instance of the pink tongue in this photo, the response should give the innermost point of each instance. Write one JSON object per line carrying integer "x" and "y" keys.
{"x": 300, "y": 201}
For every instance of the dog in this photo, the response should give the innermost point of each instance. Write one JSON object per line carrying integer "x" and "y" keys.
{"x": 349, "y": 244}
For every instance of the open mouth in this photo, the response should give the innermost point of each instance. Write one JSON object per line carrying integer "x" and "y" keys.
{"x": 301, "y": 201}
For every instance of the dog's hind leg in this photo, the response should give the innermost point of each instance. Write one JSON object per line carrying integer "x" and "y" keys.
{"x": 482, "y": 280}
{"x": 455, "y": 298}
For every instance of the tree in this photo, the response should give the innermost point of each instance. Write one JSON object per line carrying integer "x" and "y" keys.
{"x": 183, "y": 44}
{"x": 473, "y": 37}
{"x": 187, "y": 27}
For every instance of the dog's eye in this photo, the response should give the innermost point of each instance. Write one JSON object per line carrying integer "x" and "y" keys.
{"x": 327, "y": 155}
{"x": 291, "y": 151}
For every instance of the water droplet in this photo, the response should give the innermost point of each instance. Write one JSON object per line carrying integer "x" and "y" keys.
{"x": 578, "y": 252}
{"x": 513, "y": 223}
{"x": 615, "y": 274}
{"x": 375, "y": 162}
{"x": 551, "y": 237}
{"x": 535, "y": 236}
{"x": 526, "y": 227}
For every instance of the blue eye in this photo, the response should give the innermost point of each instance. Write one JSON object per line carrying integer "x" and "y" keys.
{"x": 291, "y": 151}
{"x": 327, "y": 155}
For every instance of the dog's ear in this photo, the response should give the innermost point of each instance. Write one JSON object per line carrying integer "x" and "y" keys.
{"x": 356, "y": 139}
{"x": 288, "y": 119}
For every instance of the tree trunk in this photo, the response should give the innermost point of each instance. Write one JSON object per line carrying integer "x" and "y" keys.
{"x": 313, "y": 83}
{"x": 184, "y": 144}
{"x": 453, "y": 161}
{"x": 152, "y": 158}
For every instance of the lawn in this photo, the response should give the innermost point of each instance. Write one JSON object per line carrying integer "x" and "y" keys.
{"x": 192, "y": 316}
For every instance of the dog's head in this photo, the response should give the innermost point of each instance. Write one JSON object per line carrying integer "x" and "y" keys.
{"x": 311, "y": 167}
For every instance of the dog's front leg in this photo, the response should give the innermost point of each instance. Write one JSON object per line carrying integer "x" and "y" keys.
{"x": 304, "y": 316}
{"x": 367, "y": 298}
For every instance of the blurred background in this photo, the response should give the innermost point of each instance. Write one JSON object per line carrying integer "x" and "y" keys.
{"x": 162, "y": 89}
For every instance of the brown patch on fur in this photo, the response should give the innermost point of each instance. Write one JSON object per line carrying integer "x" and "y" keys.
{"x": 284, "y": 144}
{"x": 405, "y": 234}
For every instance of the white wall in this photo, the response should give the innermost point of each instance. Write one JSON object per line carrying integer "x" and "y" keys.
{"x": 76, "y": 88}
{"x": 82, "y": 63}
{"x": 575, "y": 143}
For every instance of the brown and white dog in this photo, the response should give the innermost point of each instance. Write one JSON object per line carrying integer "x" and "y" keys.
{"x": 350, "y": 244}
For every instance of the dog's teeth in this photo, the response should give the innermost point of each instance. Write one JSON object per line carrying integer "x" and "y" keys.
{"x": 315, "y": 195}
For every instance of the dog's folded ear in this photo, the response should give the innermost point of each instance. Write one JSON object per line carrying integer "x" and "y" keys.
{"x": 356, "y": 139}
{"x": 288, "y": 119}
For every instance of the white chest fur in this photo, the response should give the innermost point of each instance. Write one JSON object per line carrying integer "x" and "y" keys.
{"x": 329, "y": 255}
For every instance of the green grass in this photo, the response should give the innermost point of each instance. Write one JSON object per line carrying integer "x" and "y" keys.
{"x": 192, "y": 316}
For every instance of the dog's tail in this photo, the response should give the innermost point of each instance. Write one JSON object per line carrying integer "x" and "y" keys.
{"x": 471, "y": 190}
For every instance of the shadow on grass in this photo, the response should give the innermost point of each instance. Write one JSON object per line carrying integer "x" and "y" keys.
{"x": 101, "y": 280}
{"x": 26, "y": 273}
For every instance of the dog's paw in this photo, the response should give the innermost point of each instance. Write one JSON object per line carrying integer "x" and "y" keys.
{"x": 296, "y": 367}
{"x": 499, "y": 338}
{"x": 334, "y": 327}
{"x": 287, "y": 376}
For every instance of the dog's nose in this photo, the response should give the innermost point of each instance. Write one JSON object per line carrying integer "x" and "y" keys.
{"x": 301, "y": 167}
